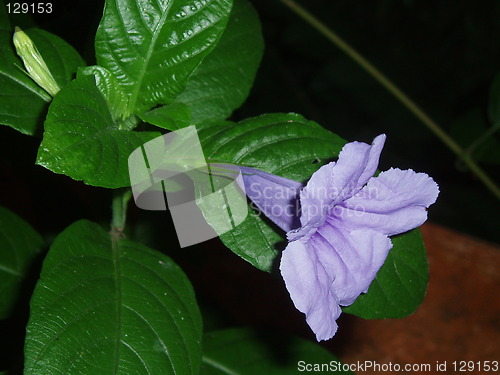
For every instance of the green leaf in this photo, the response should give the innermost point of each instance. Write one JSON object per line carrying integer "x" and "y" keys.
{"x": 222, "y": 82}
{"x": 19, "y": 246}
{"x": 401, "y": 283}
{"x": 105, "y": 305}
{"x": 287, "y": 145}
{"x": 22, "y": 102}
{"x": 249, "y": 352}
{"x": 152, "y": 46}
{"x": 109, "y": 87}
{"x": 82, "y": 141}
{"x": 171, "y": 116}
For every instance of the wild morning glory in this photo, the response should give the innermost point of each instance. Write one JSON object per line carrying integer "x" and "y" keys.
{"x": 342, "y": 236}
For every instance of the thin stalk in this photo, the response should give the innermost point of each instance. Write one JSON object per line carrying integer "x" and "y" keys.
{"x": 396, "y": 92}
{"x": 119, "y": 207}
{"x": 481, "y": 139}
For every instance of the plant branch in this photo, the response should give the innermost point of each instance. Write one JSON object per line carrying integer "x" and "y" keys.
{"x": 120, "y": 202}
{"x": 398, "y": 94}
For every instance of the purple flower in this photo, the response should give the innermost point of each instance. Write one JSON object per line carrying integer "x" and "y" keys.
{"x": 346, "y": 218}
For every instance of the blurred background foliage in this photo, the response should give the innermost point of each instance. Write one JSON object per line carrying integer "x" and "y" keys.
{"x": 443, "y": 54}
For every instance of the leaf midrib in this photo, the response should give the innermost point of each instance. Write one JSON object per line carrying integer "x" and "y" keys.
{"x": 27, "y": 87}
{"x": 118, "y": 311}
{"x": 144, "y": 67}
{"x": 219, "y": 366}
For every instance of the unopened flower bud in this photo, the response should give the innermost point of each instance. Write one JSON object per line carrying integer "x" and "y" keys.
{"x": 33, "y": 62}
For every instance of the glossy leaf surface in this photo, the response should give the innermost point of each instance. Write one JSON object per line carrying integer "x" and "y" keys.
{"x": 287, "y": 145}
{"x": 22, "y": 102}
{"x": 109, "y": 87}
{"x": 221, "y": 83}
{"x": 171, "y": 116}
{"x": 106, "y": 305}
{"x": 82, "y": 141}
{"x": 152, "y": 46}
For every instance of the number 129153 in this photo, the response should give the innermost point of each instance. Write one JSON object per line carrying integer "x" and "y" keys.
{"x": 38, "y": 8}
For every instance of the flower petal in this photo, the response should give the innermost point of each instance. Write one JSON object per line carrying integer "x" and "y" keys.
{"x": 333, "y": 268}
{"x": 357, "y": 163}
{"x": 335, "y": 182}
{"x": 354, "y": 258}
{"x": 317, "y": 197}
{"x": 392, "y": 203}
{"x": 275, "y": 196}
{"x": 308, "y": 281}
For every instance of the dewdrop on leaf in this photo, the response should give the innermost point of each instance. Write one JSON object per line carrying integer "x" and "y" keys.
{"x": 34, "y": 63}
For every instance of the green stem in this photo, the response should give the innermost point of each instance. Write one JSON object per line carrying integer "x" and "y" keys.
{"x": 394, "y": 90}
{"x": 120, "y": 201}
{"x": 483, "y": 138}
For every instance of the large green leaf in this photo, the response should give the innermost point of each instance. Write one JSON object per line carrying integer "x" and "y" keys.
{"x": 19, "y": 246}
{"x": 105, "y": 305}
{"x": 283, "y": 144}
{"x": 223, "y": 80}
{"x": 82, "y": 141}
{"x": 152, "y": 46}
{"x": 401, "y": 283}
{"x": 22, "y": 102}
{"x": 249, "y": 352}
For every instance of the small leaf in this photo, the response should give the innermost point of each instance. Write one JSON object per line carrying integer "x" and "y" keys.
{"x": 111, "y": 306}
{"x": 82, "y": 141}
{"x": 22, "y": 102}
{"x": 153, "y": 46}
{"x": 223, "y": 80}
{"x": 109, "y": 87}
{"x": 171, "y": 116}
{"x": 19, "y": 244}
{"x": 248, "y": 352}
{"x": 401, "y": 283}
{"x": 283, "y": 144}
